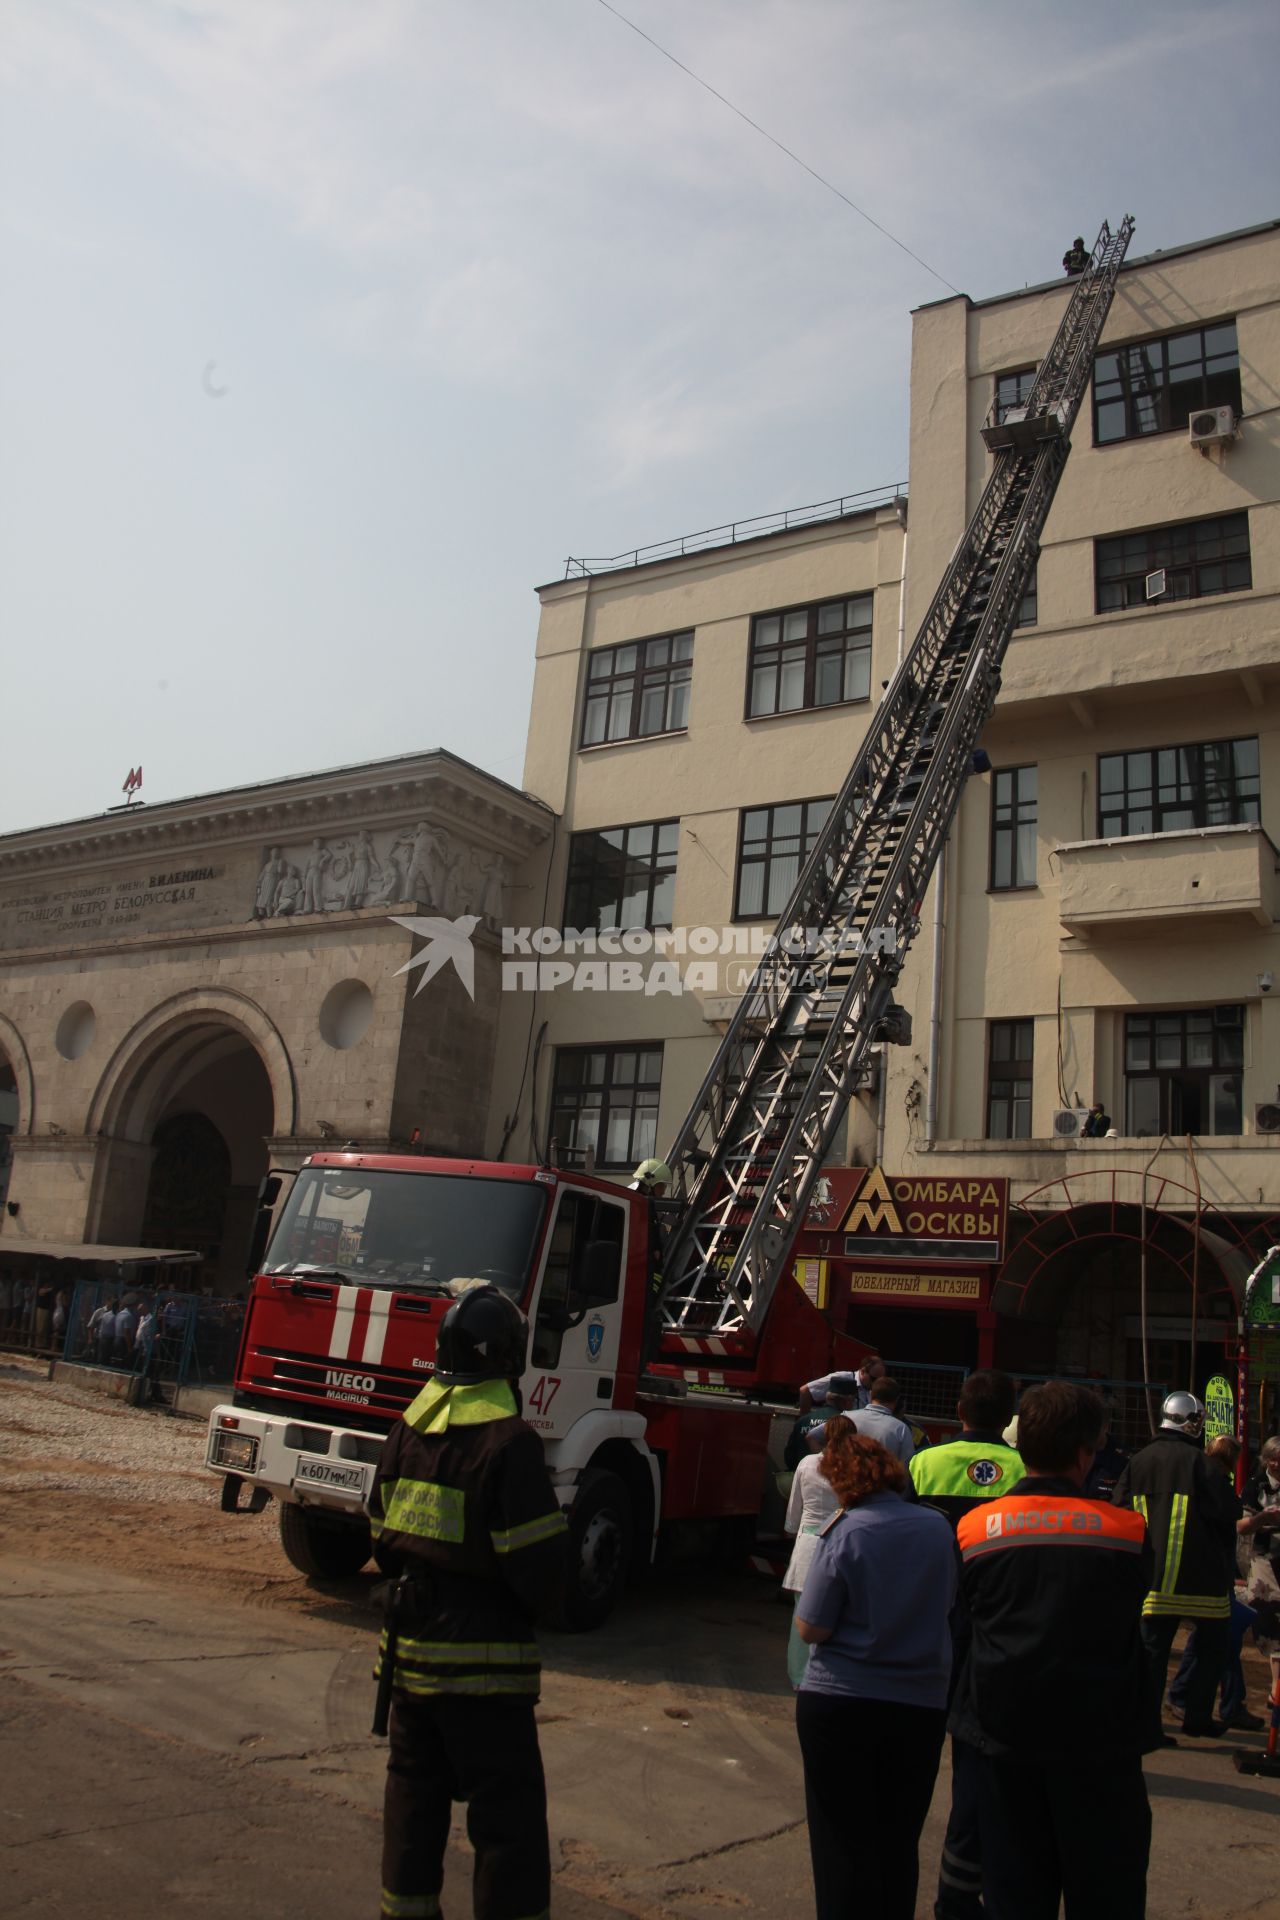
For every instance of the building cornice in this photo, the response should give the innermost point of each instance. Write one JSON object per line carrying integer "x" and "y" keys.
{"x": 454, "y": 792}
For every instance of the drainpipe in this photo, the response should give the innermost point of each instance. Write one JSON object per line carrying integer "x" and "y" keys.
{"x": 1195, "y": 1263}
{"x": 935, "y": 997}
{"x": 901, "y": 506}
{"x": 1142, "y": 1287}
{"x": 882, "y": 1105}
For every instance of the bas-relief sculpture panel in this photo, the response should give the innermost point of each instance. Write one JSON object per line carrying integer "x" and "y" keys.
{"x": 423, "y": 864}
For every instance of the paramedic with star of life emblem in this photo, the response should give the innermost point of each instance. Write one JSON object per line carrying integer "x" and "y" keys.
{"x": 954, "y": 1478}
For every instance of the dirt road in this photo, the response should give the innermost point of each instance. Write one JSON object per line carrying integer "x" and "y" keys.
{"x": 184, "y": 1720}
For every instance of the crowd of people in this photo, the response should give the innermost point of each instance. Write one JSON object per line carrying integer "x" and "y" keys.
{"x": 1024, "y": 1599}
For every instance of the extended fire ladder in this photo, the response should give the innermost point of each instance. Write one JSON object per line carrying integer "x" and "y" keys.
{"x": 750, "y": 1151}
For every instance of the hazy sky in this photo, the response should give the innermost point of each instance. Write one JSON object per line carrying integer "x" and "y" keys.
{"x": 330, "y": 327}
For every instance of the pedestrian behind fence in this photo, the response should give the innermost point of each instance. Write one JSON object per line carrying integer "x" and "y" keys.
{"x": 1048, "y": 1716}
{"x": 871, "y": 1709}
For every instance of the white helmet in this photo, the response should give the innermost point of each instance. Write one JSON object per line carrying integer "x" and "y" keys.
{"x": 1182, "y": 1413}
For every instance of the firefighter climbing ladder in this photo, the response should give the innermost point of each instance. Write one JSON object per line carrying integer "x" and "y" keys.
{"x": 749, "y": 1152}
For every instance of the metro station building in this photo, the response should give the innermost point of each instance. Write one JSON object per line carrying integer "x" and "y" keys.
{"x": 1102, "y": 930}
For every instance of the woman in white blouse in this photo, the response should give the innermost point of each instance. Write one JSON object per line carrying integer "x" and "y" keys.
{"x": 811, "y": 1505}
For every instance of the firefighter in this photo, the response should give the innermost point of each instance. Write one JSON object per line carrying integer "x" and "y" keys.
{"x": 1076, "y": 257}
{"x": 1190, "y": 1511}
{"x": 651, "y": 1177}
{"x": 463, "y": 1511}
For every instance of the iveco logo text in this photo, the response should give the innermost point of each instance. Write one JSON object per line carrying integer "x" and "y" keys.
{"x": 351, "y": 1382}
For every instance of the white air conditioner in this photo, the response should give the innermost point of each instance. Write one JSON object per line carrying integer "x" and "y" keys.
{"x": 1266, "y": 1119}
{"x": 1068, "y": 1121}
{"x": 1211, "y": 426}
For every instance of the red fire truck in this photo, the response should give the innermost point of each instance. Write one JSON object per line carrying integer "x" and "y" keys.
{"x": 340, "y": 1336}
{"x": 662, "y": 1328}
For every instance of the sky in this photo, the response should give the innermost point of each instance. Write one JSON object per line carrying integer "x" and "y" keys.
{"x": 330, "y": 328}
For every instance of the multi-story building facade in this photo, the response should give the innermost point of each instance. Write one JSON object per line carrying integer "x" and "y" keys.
{"x": 1103, "y": 929}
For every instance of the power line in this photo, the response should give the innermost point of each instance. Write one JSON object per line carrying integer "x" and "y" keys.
{"x": 774, "y": 142}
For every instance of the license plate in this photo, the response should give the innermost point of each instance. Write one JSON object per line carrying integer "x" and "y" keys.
{"x": 327, "y": 1473}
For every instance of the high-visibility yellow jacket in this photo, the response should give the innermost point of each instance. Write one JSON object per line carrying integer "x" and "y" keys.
{"x": 462, "y": 1500}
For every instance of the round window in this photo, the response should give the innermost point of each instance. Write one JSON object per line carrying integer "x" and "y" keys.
{"x": 346, "y": 1013}
{"x": 75, "y": 1031}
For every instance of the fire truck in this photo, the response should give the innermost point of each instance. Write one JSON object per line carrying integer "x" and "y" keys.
{"x": 662, "y": 1330}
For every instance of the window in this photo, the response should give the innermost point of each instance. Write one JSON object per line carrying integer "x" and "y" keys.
{"x": 606, "y": 1098}
{"x": 1029, "y": 605}
{"x": 1009, "y": 1063}
{"x": 638, "y": 689}
{"x": 1199, "y": 557}
{"x": 1013, "y": 828}
{"x": 810, "y": 657}
{"x": 622, "y": 877}
{"x": 1013, "y": 390}
{"x": 1183, "y": 1071}
{"x": 774, "y": 844}
{"x": 581, "y": 1218}
{"x": 1155, "y": 385}
{"x": 1161, "y": 789}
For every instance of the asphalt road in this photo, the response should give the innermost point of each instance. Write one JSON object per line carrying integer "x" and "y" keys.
{"x": 184, "y": 1722}
{"x": 170, "y": 1751}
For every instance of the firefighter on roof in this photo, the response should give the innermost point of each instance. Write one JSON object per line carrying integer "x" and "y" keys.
{"x": 463, "y": 1510}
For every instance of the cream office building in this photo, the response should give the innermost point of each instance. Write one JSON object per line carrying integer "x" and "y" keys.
{"x": 1104, "y": 928}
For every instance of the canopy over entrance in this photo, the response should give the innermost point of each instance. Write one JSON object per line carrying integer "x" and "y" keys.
{"x": 90, "y": 1250}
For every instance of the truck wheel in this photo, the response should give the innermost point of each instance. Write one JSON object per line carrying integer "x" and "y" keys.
{"x": 600, "y": 1535}
{"x": 324, "y": 1545}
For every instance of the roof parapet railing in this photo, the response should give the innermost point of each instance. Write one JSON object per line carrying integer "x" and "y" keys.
{"x": 735, "y": 531}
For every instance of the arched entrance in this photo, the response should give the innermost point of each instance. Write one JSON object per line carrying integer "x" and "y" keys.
{"x": 185, "y": 1112}
{"x": 1070, "y": 1296}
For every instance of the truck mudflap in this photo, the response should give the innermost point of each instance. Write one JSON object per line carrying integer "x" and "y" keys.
{"x": 289, "y": 1460}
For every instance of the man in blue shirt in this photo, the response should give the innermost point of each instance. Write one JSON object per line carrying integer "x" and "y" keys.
{"x": 879, "y": 1420}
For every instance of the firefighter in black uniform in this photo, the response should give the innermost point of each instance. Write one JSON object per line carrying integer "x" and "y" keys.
{"x": 463, "y": 1510}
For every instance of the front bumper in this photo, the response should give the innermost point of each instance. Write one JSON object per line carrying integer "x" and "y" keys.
{"x": 292, "y": 1459}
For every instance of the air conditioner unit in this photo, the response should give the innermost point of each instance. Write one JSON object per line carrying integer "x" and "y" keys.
{"x": 1211, "y": 426}
{"x": 1068, "y": 1121}
{"x": 1266, "y": 1119}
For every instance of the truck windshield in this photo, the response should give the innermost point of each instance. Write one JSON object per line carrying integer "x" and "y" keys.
{"x": 408, "y": 1229}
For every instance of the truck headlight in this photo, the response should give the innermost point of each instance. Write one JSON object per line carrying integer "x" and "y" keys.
{"x": 238, "y": 1452}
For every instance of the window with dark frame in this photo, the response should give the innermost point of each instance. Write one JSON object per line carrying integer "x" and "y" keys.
{"x": 1029, "y": 606}
{"x": 622, "y": 877}
{"x": 637, "y": 690}
{"x": 773, "y": 845}
{"x": 1154, "y": 386}
{"x": 1212, "y": 783}
{"x": 818, "y": 656}
{"x": 1198, "y": 558}
{"x": 1010, "y": 1050}
{"x": 1013, "y": 828}
{"x": 606, "y": 1098}
{"x": 1013, "y": 390}
{"x": 1183, "y": 1072}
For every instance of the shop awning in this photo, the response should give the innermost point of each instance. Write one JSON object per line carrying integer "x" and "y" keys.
{"x": 92, "y": 1250}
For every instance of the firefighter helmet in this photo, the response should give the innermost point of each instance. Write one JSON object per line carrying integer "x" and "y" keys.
{"x": 650, "y": 1174}
{"x": 484, "y": 1336}
{"x": 1182, "y": 1413}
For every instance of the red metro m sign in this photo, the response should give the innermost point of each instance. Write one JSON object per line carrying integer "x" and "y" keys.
{"x": 925, "y": 1217}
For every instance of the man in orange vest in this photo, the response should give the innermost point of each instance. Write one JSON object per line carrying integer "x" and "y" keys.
{"x": 1054, "y": 1675}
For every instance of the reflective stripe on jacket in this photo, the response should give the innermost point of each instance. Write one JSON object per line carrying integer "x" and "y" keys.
{"x": 1054, "y": 1585}
{"x": 1190, "y": 1510}
{"x": 462, "y": 1497}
